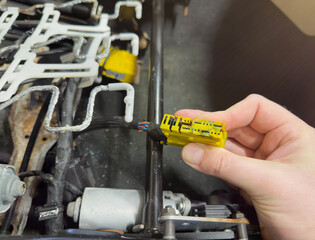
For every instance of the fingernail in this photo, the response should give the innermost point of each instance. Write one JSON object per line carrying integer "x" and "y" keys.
{"x": 192, "y": 154}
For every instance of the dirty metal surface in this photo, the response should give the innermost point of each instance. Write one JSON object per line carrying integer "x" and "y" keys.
{"x": 22, "y": 118}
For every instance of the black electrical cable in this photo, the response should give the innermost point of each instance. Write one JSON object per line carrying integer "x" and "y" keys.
{"x": 64, "y": 155}
{"x": 115, "y": 122}
{"x": 153, "y": 130}
{"x": 5, "y": 228}
{"x": 29, "y": 148}
{"x": 155, "y": 133}
{"x": 23, "y": 175}
{"x": 36, "y": 128}
{"x": 47, "y": 177}
{"x": 54, "y": 51}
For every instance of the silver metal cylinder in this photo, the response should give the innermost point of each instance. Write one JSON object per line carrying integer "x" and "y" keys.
{"x": 169, "y": 230}
{"x": 169, "y": 225}
{"x": 118, "y": 209}
{"x": 110, "y": 208}
{"x": 241, "y": 228}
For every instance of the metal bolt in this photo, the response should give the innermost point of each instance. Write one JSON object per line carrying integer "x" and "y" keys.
{"x": 169, "y": 225}
{"x": 181, "y": 206}
{"x": 239, "y": 215}
{"x": 168, "y": 210}
{"x": 138, "y": 228}
{"x": 241, "y": 228}
{"x": 169, "y": 230}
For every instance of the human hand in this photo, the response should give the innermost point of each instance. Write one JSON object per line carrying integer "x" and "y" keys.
{"x": 270, "y": 156}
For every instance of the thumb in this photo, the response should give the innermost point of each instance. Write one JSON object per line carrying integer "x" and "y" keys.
{"x": 243, "y": 172}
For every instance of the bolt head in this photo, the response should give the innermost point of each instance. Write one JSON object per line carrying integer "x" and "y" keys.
{"x": 239, "y": 215}
{"x": 169, "y": 210}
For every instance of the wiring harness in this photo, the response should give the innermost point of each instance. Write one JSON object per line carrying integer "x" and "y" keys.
{"x": 153, "y": 130}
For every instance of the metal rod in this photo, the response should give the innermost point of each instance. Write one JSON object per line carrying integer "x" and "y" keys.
{"x": 154, "y": 190}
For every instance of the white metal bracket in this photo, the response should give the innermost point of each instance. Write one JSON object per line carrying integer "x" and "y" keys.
{"x": 24, "y": 67}
{"x": 136, "y": 4}
{"x": 6, "y": 20}
{"x": 128, "y": 100}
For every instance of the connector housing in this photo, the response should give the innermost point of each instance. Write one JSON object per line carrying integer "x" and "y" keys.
{"x": 120, "y": 65}
{"x": 182, "y": 130}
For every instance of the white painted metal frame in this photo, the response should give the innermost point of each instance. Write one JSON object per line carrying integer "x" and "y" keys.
{"x": 24, "y": 67}
{"x": 6, "y": 20}
{"x": 128, "y": 100}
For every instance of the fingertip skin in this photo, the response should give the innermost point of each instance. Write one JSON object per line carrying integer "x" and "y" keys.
{"x": 191, "y": 113}
{"x": 243, "y": 172}
{"x": 193, "y": 153}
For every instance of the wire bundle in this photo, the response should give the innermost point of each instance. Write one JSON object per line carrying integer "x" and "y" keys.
{"x": 153, "y": 130}
{"x": 143, "y": 126}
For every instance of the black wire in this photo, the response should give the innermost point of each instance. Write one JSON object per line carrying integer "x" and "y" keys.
{"x": 154, "y": 131}
{"x": 26, "y": 158}
{"x": 36, "y": 128}
{"x": 116, "y": 122}
{"x": 5, "y": 228}
{"x": 23, "y": 175}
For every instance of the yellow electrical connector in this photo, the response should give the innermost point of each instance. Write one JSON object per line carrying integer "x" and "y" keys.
{"x": 180, "y": 131}
{"x": 120, "y": 65}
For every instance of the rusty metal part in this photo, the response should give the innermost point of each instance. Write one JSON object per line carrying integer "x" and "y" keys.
{"x": 31, "y": 9}
{"x": 21, "y": 119}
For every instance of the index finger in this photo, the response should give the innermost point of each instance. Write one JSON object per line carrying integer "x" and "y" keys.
{"x": 256, "y": 111}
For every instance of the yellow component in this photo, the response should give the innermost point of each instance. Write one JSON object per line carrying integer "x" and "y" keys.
{"x": 120, "y": 65}
{"x": 180, "y": 131}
